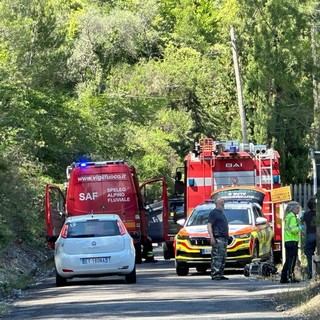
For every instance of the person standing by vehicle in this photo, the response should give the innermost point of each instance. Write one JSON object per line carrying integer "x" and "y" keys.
{"x": 218, "y": 230}
{"x": 309, "y": 218}
{"x": 291, "y": 239}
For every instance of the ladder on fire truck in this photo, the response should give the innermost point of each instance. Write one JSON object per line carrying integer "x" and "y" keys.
{"x": 207, "y": 146}
{"x": 266, "y": 179}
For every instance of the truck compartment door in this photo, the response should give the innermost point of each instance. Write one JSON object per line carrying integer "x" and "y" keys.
{"x": 54, "y": 212}
{"x": 156, "y": 202}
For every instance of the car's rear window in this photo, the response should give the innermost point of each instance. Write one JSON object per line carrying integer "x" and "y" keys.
{"x": 93, "y": 228}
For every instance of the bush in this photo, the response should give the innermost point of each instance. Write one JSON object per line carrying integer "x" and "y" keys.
{"x": 5, "y": 236}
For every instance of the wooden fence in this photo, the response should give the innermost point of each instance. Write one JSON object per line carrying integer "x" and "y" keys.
{"x": 302, "y": 193}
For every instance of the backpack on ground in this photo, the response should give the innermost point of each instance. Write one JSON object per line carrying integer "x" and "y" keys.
{"x": 264, "y": 269}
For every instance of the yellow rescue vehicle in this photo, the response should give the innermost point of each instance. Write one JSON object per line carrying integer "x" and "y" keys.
{"x": 250, "y": 234}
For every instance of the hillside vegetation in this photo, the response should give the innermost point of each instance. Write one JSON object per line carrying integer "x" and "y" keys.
{"x": 142, "y": 80}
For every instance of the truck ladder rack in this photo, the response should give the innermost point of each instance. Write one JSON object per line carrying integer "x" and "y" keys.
{"x": 266, "y": 171}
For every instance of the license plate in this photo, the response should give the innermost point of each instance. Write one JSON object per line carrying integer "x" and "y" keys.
{"x": 102, "y": 260}
{"x": 205, "y": 251}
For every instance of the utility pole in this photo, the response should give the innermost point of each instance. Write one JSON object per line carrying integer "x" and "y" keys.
{"x": 315, "y": 79}
{"x": 239, "y": 87}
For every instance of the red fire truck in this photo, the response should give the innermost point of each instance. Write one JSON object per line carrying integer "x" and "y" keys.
{"x": 219, "y": 164}
{"x": 107, "y": 187}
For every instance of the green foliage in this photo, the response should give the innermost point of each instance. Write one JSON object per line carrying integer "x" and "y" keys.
{"x": 21, "y": 190}
{"x": 156, "y": 154}
{"x": 277, "y": 80}
{"x": 195, "y": 24}
{"x": 141, "y": 80}
{"x": 5, "y": 236}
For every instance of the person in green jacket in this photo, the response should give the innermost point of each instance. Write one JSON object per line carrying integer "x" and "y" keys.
{"x": 291, "y": 239}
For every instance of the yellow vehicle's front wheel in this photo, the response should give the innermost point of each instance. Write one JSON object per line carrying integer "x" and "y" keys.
{"x": 182, "y": 270}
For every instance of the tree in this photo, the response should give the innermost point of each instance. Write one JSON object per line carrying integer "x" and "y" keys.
{"x": 275, "y": 51}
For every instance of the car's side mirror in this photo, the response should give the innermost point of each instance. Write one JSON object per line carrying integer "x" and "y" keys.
{"x": 181, "y": 222}
{"x": 261, "y": 220}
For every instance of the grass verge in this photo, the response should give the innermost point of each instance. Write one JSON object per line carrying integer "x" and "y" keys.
{"x": 302, "y": 304}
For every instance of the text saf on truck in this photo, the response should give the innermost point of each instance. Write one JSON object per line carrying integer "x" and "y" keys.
{"x": 102, "y": 188}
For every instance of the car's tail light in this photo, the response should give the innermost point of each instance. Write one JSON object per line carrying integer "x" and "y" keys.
{"x": 122, "y": 227}
{"x": 64, "y": 231}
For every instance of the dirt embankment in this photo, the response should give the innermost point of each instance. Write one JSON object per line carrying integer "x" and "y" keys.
{"x": 20, "y": 265}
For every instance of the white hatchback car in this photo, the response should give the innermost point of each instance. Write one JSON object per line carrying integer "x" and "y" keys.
{"x": 94, "y": 246}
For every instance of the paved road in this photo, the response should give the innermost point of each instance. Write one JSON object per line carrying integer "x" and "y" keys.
{"x": 158, "y": 294}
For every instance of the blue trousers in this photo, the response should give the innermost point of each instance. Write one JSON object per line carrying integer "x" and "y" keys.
{"x": 309, "y": 249}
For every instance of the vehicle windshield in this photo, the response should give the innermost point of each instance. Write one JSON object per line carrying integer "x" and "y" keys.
{"x": 85, "y": 229}
{"x": 234, "y": 216}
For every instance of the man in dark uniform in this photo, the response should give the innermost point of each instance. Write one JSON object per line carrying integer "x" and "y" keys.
{"x": 309, "y": 218}
{"x": 218, "y": 230}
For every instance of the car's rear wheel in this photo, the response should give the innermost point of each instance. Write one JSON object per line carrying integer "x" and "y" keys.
{"x": 132, "y": 276}
{"x": 182, "y": 270}
{"x": 60, "y": 281}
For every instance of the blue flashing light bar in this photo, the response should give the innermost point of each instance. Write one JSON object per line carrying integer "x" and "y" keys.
{"x": 276, "y": 179}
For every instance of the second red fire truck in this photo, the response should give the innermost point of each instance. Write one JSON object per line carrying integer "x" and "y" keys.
{"x": 108, "y": 187}
{"x": 214, "y": 165}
